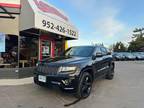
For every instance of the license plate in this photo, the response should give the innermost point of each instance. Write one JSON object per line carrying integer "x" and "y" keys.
{"x": 42, "y": 78}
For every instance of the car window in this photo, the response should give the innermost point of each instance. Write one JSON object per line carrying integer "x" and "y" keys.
{"x": 98, "y": 50}
{"x": 104, "y": 51}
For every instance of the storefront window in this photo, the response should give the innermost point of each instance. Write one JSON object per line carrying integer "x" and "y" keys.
{"x": 59, "y": 48}
{"x": 28, "y": 51}
{"x": 9, "y": 57}
{"x": 46, "y": 48}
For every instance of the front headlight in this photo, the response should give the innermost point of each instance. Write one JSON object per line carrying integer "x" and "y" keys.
{"x": 69, "y": 69}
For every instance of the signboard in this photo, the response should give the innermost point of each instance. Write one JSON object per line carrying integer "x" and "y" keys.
{"x": 49, "y": 9}
{"x": 10, "y": 1}
{"x": 55, "y": 26}
{"x": 49, "y": 18}
{"x": 2, "y": 42}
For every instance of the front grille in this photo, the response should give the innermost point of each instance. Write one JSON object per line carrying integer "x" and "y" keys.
{"x": 50, "y": 70}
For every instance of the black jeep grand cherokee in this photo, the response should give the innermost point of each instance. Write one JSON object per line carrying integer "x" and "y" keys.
{"x": 76, "y": 69}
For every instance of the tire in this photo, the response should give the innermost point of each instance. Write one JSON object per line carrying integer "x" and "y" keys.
{"x": 84, "y": 86}
{"x": 110, "y": 74}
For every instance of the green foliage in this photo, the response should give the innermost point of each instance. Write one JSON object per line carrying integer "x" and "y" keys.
{"x": 138, "y": 40}
{"x": 119, "y": 47}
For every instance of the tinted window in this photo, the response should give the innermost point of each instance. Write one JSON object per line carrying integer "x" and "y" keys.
{"x": 98, "y": 50}
{"x": 82, "y": 51}
{"x": 104, "y": 51}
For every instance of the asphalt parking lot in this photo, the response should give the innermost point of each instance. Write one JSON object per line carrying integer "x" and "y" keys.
{"x": 126, "y": 90}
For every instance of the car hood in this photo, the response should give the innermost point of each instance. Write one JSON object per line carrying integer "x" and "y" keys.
{"x": 140, "y": 56}
{"x": 119, "y": 56}
{"x": 65, "y": 60}
{"x": 131, "y": 56}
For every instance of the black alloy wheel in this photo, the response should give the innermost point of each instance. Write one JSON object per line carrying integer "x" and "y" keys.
{"x": 110, "y": 74}
{"x": 85, "y": 85}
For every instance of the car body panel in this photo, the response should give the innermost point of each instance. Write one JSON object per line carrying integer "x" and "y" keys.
{"x": 50, "y": 68}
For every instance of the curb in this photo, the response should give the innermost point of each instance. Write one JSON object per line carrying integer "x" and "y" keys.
{"x": 9, "y": 82}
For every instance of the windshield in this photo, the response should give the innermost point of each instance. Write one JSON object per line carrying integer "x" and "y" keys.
{"x": 81, "y": 51}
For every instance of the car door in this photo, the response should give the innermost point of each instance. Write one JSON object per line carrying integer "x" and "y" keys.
{"x": 106, "y": 60}
{"x": 97, "y": 63}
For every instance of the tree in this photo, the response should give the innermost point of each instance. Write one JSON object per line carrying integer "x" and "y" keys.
{"x": 138, "y": 40}
{"x": 139, "y": 31}
{"x": 119, "y": 47}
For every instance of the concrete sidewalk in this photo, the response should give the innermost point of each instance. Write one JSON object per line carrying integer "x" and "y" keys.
{"x": 7, "y": 82}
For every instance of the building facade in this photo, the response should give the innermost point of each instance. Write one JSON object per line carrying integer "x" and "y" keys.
{"x": 31, "y": 30}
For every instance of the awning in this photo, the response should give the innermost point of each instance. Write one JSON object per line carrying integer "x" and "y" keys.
{"x": 41, "y": 15}
{"x": 10, "y": 5}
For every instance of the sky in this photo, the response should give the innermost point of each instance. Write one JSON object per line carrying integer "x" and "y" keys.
{"x": 103, "y": 21}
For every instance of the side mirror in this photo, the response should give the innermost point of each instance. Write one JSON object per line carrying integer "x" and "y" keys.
{"x": 98, "y": 54}
{"x": 93, "y": 57}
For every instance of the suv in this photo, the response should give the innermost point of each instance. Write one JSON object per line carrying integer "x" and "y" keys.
{"x": 76, "y": 69}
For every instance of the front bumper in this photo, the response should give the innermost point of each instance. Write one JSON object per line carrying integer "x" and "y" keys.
{"x": 64, "y": 81}
{"x": 129, "y": 58}
{"x": 119, "y": 58}
{"x": 140, "y": 58}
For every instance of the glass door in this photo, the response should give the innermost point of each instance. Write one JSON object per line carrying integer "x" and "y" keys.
{"x": 45, "y": 48}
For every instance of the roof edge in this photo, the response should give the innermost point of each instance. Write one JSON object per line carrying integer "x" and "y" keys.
{"x": 9, "y": 5}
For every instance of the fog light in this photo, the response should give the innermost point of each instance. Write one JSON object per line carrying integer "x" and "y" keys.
{"x": 66, "y": 82}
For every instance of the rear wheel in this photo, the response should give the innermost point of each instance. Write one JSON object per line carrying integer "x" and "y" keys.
{"x": 110, "y": 74}
{"x": 84, "y": 86}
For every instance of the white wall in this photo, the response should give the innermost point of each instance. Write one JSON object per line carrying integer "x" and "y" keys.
{"x": 10, "y": 1}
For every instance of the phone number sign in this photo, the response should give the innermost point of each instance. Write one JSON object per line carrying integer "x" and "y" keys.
{"x": 56, "y": 26}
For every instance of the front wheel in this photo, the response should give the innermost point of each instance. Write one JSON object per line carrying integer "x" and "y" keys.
{"x": 84, "y": 86}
